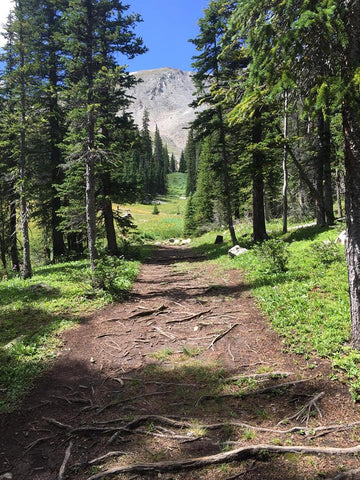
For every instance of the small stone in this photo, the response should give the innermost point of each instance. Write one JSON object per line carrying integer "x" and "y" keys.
{"x": 342, "y": 238}
{"x": 236, "y": 251}
{"x": 6, "y": 476}
{"x": 196, "y": 328}
{"x": 92, "y": 360}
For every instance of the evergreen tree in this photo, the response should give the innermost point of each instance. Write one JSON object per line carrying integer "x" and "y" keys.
{"x": 190, "y": 159}
{"x": 95, "y": 35}
{"x": 159, "y": 165}
{"x": 182, "y": 163}
{"x": 190, "y": 226}
{"x": 172, "y": 167}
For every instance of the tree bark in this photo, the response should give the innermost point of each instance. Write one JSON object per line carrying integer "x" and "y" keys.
{"x": 259, "y": 226}
{"x": 285, "y": 169}
{"x": 351, "y": 126}
{"x": 108, "y": 215}
{"x": 14, "y": 254}
{"x": 325, "y": 156}
{"x": 26, "y": 270}
{"x": 338, "y": 193}
{"x": 90, "y": 158}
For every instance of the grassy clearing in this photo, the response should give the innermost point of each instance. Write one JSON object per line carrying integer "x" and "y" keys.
{"x": 31, "y": 319}
{"x": 169, "y": 222}
{"x": 308, "y": 303}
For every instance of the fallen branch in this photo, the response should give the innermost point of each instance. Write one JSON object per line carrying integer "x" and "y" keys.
{"x": 146, "y": 313}
{"x": 104, "y": 457}
{"x": 191, "y": 317}
{"x": 239, "y": 454}
{"x": 221, "y": 335}
{"x": 303, "y": 415}
{"x": 65, "y": 461}
{"x": 109, "y": 335}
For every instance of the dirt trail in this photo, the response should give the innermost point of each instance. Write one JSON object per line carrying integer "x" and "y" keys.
{"x": 170, "y": 350}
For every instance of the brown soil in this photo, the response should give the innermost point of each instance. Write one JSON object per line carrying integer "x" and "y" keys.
{"x": 134, "y": 363}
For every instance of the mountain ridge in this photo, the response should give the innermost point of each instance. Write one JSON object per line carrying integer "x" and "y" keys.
{"x": 166, "y": 93}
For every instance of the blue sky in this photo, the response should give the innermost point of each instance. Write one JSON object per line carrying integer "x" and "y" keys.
{"x": 167, "y": 26}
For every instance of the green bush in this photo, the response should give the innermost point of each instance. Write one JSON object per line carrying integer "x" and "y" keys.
{"x": 115, "y": 276}
{"x": 274, "y": 255}
{"x": 326, "y": 252}
{"x": 156, "y": 210}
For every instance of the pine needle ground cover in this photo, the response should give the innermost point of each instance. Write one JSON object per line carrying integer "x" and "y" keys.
{"x": 308, "y": 303}
{"x": 34, "y": 312}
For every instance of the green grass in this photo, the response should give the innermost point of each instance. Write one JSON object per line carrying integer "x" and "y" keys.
{"x": 169, "y": 222}
{"x": 308, "y": 305}
{"x": 31, "y": 320}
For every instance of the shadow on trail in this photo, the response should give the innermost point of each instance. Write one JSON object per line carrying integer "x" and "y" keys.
{"x": 75, "y": 394}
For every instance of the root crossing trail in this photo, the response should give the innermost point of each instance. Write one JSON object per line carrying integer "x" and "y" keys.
{"x": 185, "y": 369}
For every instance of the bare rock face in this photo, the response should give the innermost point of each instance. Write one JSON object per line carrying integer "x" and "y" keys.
{"x": 166, "y": 93}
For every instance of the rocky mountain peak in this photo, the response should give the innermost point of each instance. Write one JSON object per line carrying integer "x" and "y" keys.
{"x": 166, "y": 93}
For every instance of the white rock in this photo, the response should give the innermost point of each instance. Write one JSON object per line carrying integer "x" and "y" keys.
{"x": 186, "y": 241}
{"x": 236, "y": 251}
{"x": 342, "y": 238}
{"x": 6, "y": 476}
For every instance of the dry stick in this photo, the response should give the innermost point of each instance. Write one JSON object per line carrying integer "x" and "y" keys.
{"x": 305, "y": 410}
{"x": 146, "y": 313}
{"x": 349, "y": 475}
{"x": 191, "y": 317}
{"x": 252, "y": 392}
{"x": 239, "y": 454}
{"x": 167, "y": 335}
{"x": 221, "y": 335}
{"x": 230, "y": 353}
{"x": 65, "y": 461}
{"x": 153, "y": 382}
{"x": 58, "y": 424}
{"x": 104, "y": 457}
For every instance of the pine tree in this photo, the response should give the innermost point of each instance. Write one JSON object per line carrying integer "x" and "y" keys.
{"x": 191, "y": 164}
{"x": 172, "y": 167}
{"x": 190, "y": 226}
{"x": 206, "y": 184}
{"x": 95, "y": 35}
{"x": 182, "y": 163}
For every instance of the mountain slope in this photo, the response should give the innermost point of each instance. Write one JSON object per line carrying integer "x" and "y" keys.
{"x": 166, "y": 93}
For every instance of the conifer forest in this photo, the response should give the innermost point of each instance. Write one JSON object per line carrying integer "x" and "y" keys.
{"x": 183, "y": 312}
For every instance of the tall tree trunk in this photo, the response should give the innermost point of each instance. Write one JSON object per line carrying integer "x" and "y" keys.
{"x": 55, "y": 129}
{"x": 259, "y": 226}
{"x": 285, "y": 169}
{"x": 325, "y": 154}
{"x": 351, "y": 126}
{"x": 90, "y": 160}
{"x": 338, "y": 193}
{"x": 26, "y": 270}
{"x": 226, "y": 179}
{"x": 108, "y": 215}
{"x": 14, "y": 254}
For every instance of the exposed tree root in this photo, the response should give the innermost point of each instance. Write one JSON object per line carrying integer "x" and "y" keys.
{"x": 191, "y": 317}
{"x": 221, "y": 335}
{"x": 303, "y": 415}
{"x": 239, "y": 454}
{"x": 146, "y": 313}
{"x": 65, "y": 462}
{"x": 104, "y": 457}
{"x": 350, "y": 475}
